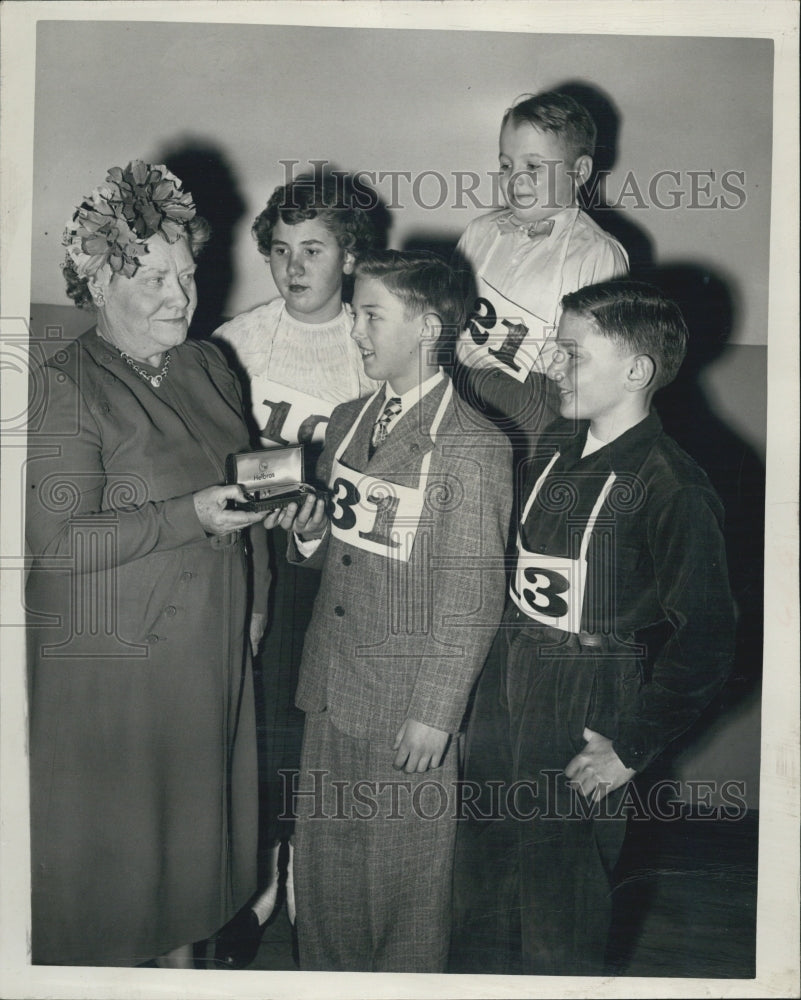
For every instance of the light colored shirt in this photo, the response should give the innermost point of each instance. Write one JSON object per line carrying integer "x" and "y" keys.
{"x": 410, "y": 398}
{"x": 536, "y": 272}
{"x": 319, "y": 359}
{"x": 592, "y": 444}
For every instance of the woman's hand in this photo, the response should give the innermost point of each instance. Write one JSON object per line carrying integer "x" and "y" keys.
{"x": 308, "y": 522}
{"x": 212, "y": 514}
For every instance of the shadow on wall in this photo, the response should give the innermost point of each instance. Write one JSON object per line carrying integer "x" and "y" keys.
{"x": 444, "y": 247}
{"x": 206, "y": 172}
{"x": 738, "y": 475}
{"x": 362, "y": 196}
{"x": 593, "y": 196}
{"x": 441, "y": 244}
{"x": 733, "y": 466}
{"x": 735, "y": 469}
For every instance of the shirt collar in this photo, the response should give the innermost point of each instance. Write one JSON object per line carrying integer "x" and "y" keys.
{"x": 625, "y": 453}
{"x": 416, "y": 393}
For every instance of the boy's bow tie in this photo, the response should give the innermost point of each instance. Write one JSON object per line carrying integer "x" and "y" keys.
{"x": 542, "y": 227}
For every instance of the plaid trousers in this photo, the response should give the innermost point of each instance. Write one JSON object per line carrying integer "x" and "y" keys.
{"x": 373, "y": 856}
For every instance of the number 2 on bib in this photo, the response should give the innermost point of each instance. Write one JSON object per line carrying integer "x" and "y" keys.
{"x": 483, "y": 319}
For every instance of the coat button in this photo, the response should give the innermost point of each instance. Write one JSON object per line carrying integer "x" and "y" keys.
{"x": 346, "y": 560}
{"x": 414, "y": 447}
{"x": 186, "y": 577}
{"x": 152, "y": 639}
{"x": 170, "y": 611}
{"x": 339, "y": 611}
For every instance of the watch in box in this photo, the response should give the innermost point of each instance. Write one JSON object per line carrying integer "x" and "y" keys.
{"x": 271, "y": 478}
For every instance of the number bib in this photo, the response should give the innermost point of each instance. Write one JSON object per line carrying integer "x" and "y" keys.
{"x": 375, "y": 515}
{"x": 287, "y": 416}
{"x": 551, "y": 589}
{"x": 502, "y": 334}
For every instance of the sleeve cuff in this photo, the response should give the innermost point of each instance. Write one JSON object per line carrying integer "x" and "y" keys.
{"x": 635, "y": 758}
{"x": 181, "y": 516}
{"x": 307, "y": 548}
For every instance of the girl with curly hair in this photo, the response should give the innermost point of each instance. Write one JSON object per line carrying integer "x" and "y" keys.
{"x": 298, "y": 361}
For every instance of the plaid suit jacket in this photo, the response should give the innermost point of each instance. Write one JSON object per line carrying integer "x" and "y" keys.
{"x": 391, "y": 640}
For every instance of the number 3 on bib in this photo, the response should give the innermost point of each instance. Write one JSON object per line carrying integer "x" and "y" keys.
{"x": 384, "y": 510}
{"x": 345, "y": 499}
{"x": 543, "y": 595}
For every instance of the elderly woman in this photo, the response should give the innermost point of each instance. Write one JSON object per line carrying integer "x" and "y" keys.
{"x": 142, "y": 739}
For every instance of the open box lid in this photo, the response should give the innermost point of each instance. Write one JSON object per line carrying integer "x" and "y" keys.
{"x": 271, "y": 470}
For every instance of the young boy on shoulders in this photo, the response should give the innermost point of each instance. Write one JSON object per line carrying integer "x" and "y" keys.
{"x": 526, "y": 257}
{"x": 619, "y": 627}
{"x": 412, "y": 587}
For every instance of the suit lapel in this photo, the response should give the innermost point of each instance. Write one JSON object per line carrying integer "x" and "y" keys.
{"x": 399, "y": 458}
{"x": 356, "y": 454}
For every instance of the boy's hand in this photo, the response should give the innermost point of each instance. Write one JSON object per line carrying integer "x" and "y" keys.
{"x": 597, "y": 770}
{"x": 308, "y": 521}
{"x": 420, "y": 747}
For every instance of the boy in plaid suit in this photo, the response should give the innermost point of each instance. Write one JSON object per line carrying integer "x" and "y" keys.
{"x": 412, "y": 592}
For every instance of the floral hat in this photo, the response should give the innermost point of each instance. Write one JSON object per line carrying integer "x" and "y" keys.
{"x": 111, "y": 226}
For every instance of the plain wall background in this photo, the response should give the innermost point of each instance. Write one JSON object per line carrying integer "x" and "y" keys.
{"x": 399, "y": 100}
{"x": 231, "y": 101}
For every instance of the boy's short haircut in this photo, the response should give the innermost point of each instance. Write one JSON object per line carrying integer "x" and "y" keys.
{"x": 421, "y": 280}
{"x": 561, "y": 115}
{"x": 638, "y": 317}
{"x": 329, "y": 199}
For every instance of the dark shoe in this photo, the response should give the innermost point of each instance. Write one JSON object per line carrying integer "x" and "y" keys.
{"x": 238, "y": 942}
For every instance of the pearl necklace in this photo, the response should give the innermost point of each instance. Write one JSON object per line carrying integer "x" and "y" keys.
{"x": 154, "y": 380}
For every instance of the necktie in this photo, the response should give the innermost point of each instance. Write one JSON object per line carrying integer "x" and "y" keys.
{"x": 391, "y": 410}
{"x": 542, "y": 227}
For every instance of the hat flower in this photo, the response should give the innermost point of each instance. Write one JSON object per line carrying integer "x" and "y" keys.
{"x": 113, "y": 223}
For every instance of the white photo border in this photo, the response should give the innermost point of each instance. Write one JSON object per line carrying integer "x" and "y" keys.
{"x": 778, "y": 915}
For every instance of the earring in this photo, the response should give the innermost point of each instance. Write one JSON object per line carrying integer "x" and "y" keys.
{"x": 99, "y": 299}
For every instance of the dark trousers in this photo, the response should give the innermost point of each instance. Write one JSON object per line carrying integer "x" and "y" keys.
{"x": 543, "y": 868}
{"x": 280, "y": 723}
